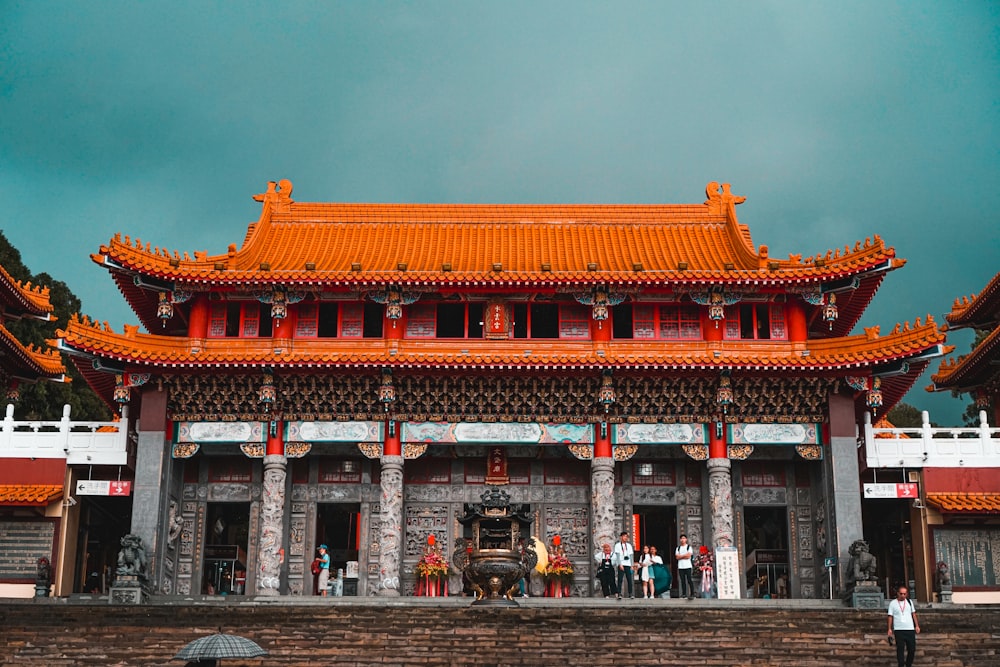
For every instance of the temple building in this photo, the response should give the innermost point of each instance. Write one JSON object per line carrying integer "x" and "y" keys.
{"x": 354, "y": 374}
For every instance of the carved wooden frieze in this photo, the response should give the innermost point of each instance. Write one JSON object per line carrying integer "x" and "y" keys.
{"x": 764, "y": 495}
{"x": 336, "y": 431}
{"x": 774, "y": 434}
{"x": 220, "y": 431}
{"x": 338, "y": 493}
{"x": 659, "y": 434}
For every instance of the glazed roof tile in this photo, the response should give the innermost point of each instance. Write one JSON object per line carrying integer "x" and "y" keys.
{"x": 150, "y": 350}
{"x": 484, "y": 244}
{"x": 29, "y": 494}
{"x": 970, "y": 370}
{"x": 978, "y": 310}
{"x": 965, "y": 502}
{"x": 22, "y": 297}
{"x": 28, "y": 362}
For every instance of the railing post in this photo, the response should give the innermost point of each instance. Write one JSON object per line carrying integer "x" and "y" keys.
{"x": 869, "y": 432}
{"x": 926, "y": 436}
{"x": 984, "y": 431}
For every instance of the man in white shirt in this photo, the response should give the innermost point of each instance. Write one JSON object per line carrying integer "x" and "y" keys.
{"x": 685, "y": 584}
{"x": 903, "y": 626}
{"x": 623, "y": 557}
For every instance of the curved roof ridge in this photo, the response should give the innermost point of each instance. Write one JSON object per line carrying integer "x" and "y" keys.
{"x": 33, "y": 299}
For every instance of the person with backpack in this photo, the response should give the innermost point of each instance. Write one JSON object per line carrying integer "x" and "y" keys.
{"x": 321, "y": 566}
{"x": 683, "y": 555}
{"x": 903, "y": 627}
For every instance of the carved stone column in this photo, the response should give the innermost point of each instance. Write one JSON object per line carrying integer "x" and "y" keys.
{"x": 602, "y": 500}
{"x": 272, "y": 520}
{"x": 391, "y": 525}
{"x": 720, "y": 499}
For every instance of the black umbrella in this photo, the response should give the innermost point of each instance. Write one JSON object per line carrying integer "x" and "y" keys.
{"x": 218, "y": 646}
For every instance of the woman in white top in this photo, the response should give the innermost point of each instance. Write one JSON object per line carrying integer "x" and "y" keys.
{"x": 644, "y": 574}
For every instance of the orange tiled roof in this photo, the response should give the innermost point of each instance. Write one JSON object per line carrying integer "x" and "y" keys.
{"x": 145, "y": 350}
{"x": 980, "y": 309}
{"x": 29, "y": 494}
{"x": 368, "y": 244}
{"x": 23, "y": 297}
{"x": 30, "y": 361}
{"x": 970, "y": 370}
{"x": 965, "y": 502}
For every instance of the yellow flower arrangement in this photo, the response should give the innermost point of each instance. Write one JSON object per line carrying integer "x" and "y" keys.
{"x": 432, "y": 564}
{"x": 559, "y": 566}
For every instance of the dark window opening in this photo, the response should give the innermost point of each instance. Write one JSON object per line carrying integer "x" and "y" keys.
{"x": 327, "y": 320}
{"x": 233, "y": 312}
{"x": 520, "y": 320}
{"x": 373, "y": 318}
{"x": 621, "y": 320}
{"x": 544, "y": 320}
{"x": 266, "y": 327}
{"x": 451, "y": 320}
{"x": 477, "y": 312}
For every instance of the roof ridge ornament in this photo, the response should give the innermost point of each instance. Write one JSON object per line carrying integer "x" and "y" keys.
{"x": 721, "y": 197}
{"x": 278, "y": 195}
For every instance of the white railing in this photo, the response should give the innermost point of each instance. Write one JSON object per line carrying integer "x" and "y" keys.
{"x": 79, "y": 442}
{"x": 928, "y": 447}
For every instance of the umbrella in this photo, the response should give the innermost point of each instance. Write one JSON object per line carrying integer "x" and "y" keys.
{"x": 661, "y": 578}
{"x": 543, "y": 554}
{"x": 218, "y": 646}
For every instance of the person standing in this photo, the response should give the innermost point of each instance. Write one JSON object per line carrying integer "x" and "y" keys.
{"x": 324, "y": 570}
{"x": 623, "y": 558}
{"x": 645, "y": 573}
{"x": 605, "y": 570}
{"x": 903, "y": 626}
{"x": 683, "y": 554}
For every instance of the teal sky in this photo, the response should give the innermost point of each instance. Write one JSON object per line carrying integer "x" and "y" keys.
{"x": 837, "y": 121}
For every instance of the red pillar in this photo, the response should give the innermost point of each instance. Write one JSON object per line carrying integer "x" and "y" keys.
{"x": 717, "y": 440}
{"x": 198, "y": 320}
{"x": 711, "y": 329}
{"x": 602, "y": 443}
{"x": 284, "y": 327}
{"x": 795, "y": 313}
{"x": 392, "y": 445}
{"x": 275, "y": 439}
{"x": 600, "y": 330}
{"x": 393, "y": 329}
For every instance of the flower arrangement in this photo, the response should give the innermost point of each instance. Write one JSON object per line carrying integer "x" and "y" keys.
{"x": 432, "y": 564}
{"x": 559, "y": 566}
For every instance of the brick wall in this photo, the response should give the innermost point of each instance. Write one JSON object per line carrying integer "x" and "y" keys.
{"x": 449, "y": 632}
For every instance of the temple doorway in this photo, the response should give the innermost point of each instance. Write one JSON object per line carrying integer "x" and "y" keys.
{"x": 226, "y": 538}
{"x": 657, "y": 526}
{"x": 766, "y": 551}
{"x": 338, "y": 527}
{"x": 104, "y": 520}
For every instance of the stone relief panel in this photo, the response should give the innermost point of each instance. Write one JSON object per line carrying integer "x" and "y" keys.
{"x": 764, "y": 495}
{"x": 566, "y": 494}
{"x": 802, "y": 496}
{"x": 572, "y": 524}
{"x": 424, "y": 493}
{"x": 646, "y": 495}
{"x": 300, "y": 492}
{"x": 421, "y": 521}
{"x": 297, "y": 535}
{"x": 228, "y": 492}
{"x": 338, "y": 493}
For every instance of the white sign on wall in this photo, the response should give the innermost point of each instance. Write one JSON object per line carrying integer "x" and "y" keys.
{"x": 727, "y": 573}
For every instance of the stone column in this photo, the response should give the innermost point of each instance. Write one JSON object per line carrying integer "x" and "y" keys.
{"x": 841, "y": 469}
{"x": 720, "y": 500}
{"x": 153, "y": 469}
{"x": 602, "y": 500}
{"x": 272, "y": 521}
{"x": 391, "y": 525}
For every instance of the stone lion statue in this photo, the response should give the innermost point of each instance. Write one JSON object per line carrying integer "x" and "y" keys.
{"x": 862, "y": 565}
{"x": 132, "y": 557}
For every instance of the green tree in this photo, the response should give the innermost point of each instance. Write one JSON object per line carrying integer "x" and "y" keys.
{"x": 904, "y": 415}
{"x": 971, "y": 415}
{"x": 45, "y": 400}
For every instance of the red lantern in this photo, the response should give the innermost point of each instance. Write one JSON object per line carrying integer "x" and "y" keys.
{"x": 430, "y": 540}
{"x": 557, "y": 540}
